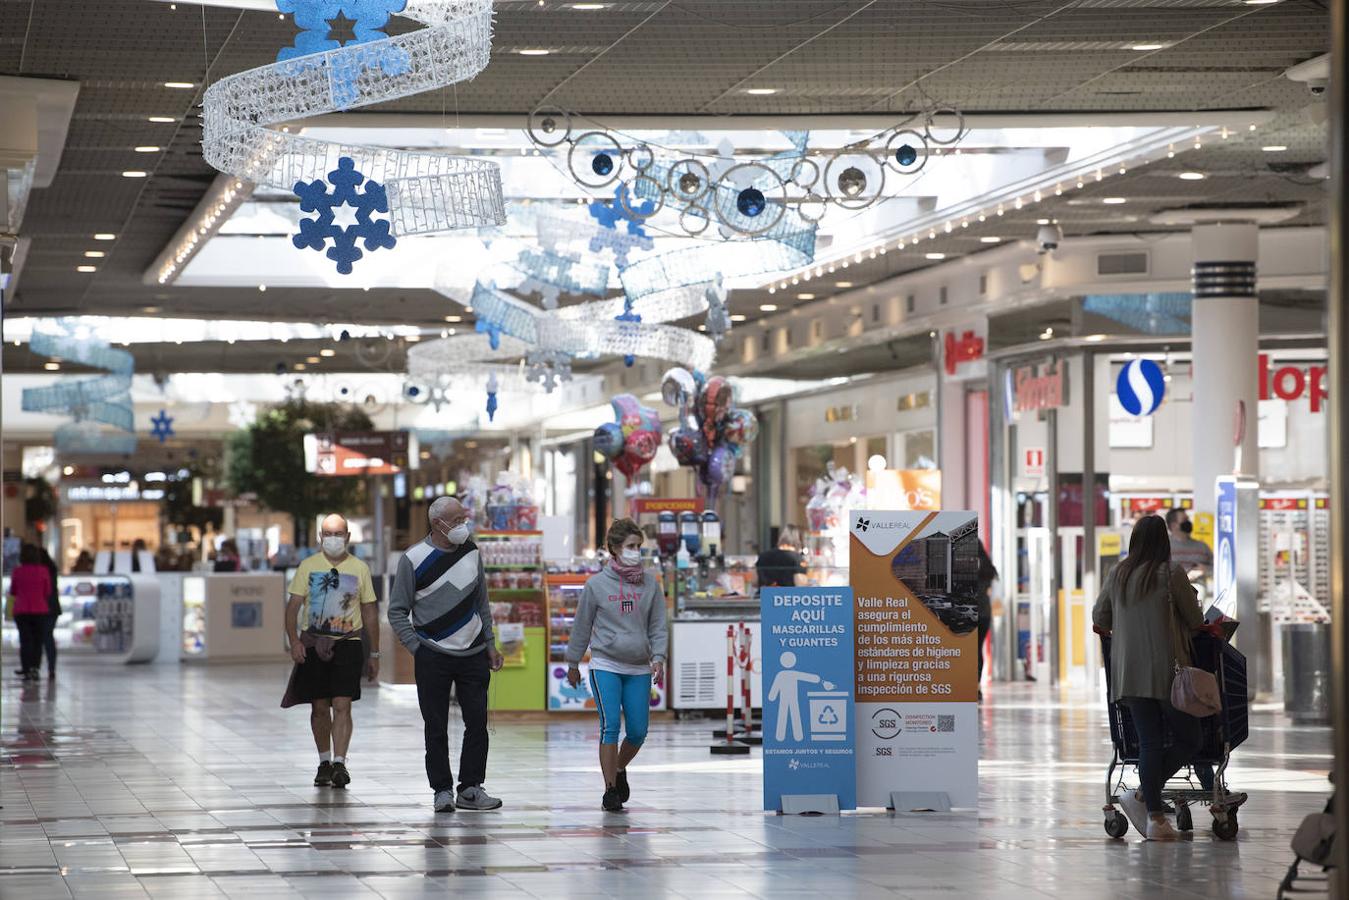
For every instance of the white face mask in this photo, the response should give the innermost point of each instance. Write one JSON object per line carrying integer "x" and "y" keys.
{"x": 629, "y": 556}
{"x": 334, "y": 546}
{"x": 458, "y": 534}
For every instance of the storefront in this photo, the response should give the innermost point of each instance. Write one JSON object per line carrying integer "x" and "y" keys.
{"x": 1058, "y": 424}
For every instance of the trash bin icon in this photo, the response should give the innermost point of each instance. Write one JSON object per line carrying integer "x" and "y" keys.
{"x": 828, "y": 715}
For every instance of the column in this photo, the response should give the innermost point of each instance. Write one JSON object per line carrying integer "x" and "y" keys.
{"x": 1226, "y": 337}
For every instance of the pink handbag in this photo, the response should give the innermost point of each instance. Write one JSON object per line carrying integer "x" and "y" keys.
{"x": 1193, "y": 691}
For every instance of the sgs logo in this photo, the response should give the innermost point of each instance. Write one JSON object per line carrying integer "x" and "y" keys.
{"x": 885, "y": 724}
{"x": 884, "y": 751}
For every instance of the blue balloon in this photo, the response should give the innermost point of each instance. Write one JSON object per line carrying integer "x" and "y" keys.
{"x": 1140, "y": 387}
{"x": 608, "y": 440}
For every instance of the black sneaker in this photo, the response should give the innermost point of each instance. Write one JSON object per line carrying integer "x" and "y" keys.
{"x": 611, "y": 803}
{"x": 341, "y": 777}
{"x": 621, "y": 785}
{"x": 324, "y": 776}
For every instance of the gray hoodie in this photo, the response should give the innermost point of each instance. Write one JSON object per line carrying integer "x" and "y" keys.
{"x": 620, "y": 621}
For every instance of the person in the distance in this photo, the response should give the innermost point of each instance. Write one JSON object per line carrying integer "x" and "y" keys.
{"x": 782, "y": 567}
{"x": 621, "y": 619}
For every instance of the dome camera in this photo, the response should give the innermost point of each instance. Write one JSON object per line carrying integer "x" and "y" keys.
{"x": 1047, "y": 238}
{"x": 1317, "y": 86}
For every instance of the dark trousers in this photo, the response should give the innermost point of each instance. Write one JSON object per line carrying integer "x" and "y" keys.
{"x": 469, "y": 675}
{"x": 1157, "y": 763}
{"x": 30, "y": 627}
{"x": 49, "y": 642}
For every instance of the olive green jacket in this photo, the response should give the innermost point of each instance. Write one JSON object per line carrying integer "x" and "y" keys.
{"x": 1145, "y": 644}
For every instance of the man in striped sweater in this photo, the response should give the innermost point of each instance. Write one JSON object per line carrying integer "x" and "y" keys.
{"x": 439, "y": 610}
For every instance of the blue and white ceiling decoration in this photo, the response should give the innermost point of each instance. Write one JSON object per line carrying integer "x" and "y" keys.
{"x": 427, "y": 191}
{"x": 104, "y": 400}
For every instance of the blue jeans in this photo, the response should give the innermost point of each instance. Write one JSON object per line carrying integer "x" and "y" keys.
{"x": 1157, "y": 763}
{"x": 629, "y": 695}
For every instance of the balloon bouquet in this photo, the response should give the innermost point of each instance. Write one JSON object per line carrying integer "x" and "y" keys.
{"x": 712, "y": 432}
{"x": 631, "y": 441}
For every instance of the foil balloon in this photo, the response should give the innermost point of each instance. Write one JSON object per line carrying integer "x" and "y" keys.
{"x": 713, "y": 404}
{"x": 712, "y": 433}
{"x": 717, "y": 472}
{"x": 677, "y": 388}
{"x": 639, "y": 429}
{"x": 608, "y": 440}
{"x": 688, "y": 446}
{"x": 740, "y": 429}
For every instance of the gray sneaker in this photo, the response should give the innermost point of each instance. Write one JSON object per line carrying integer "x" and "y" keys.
{"x": 444, "y": 801}
{"x": 476, "y": 798}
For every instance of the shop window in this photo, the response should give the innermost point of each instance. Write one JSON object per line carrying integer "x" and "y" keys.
{"x": 910, "y": 303}
{"x": 920, "y": 450}
{"x": 875, "y": 312}
{"x": 817, "y": 329}
{"x": 764, "y": 340}
{"x": 941, "y": 298}
{"x": 983, "y": 285}
{"x": 786, "y": 338}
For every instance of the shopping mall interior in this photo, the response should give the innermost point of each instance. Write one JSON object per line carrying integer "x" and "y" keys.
{"x": 507, "y": 376}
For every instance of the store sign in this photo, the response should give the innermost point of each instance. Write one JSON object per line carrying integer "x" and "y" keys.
{"x": 1291, "y": 382}
{"x": 1225, "y": 553}
{"x": 808, "y": 705}
{"x": 1033, "y": 391}
{"x": 915, "y": 581}
{"x": 967, "y": 348}
{"x": 904, "y": 489}
{"x": 1140, "y": 387}
{"x": 103, "y": 493}
{"x": 360, "y": 453}
{"x": 849, "y": 413}
{"x": 653, "y": 505}
{"x": 1033, "y": 462}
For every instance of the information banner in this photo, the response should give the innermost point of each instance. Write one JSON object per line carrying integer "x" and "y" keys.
{"x": 808, "y": 703}
{"x": 1225, "y": 553}
{"x": 360, "y": 453}
{"x": 915, "y": 579}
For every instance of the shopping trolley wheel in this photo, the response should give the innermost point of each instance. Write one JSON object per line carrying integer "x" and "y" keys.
{"x": 1184, "y": 819}
{"x": 1225, "y": 827}
{"x": 1115, "y": 824}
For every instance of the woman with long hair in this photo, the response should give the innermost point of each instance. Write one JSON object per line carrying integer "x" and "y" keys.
{"x": 621, "y": 619}
{"x": 1150, "y": 609}
{"x": 30, "y": 585}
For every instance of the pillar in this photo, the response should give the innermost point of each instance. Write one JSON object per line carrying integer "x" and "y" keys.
{"x": 1226, "y": 336}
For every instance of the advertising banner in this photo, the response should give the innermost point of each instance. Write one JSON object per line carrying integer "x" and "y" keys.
{"x": 904, "y": 489}
{"x": 808, "y": 703}
{"x": 1224, "y": 554}
{"x": 360, "y": 453}
{"x": 915, "y": 580}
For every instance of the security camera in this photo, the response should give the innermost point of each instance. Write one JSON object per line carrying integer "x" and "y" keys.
{"x": 1047, "y": 238}
{"x": 1317, "y": 86}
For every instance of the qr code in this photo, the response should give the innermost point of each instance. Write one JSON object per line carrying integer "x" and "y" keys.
{"x": 946, "y": 724}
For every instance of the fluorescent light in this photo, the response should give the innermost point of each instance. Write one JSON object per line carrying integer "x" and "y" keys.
{"x": 134, "y": 173}
{"x": 162, "y": 119}
{"x": 86, "y": 268}
{"x": 737, "y": 318}
{"x": 179, "y": 85}
{"x": 105, "y": 236}
{"x": 149, "y": 148}
{"x": 761, "y": 92}
{"x": 1114, "y": 201}
{"x": 806, "y": 296}
{"x": 313, "y": 360}
{"x": 412, "y": 338}
{"x": 1096, "y": 338}
{"x": 1274, "y": 148}
{"x": 934, "y": 256}
{"x": 1191, "y": 176}
{"x": 150, "y": 309}
{"x": 533, "y": 51}
{"x": 52, "y": 366}
{"x": 1260, "y": 2}
{"x": 990, "y": 239}
{"x": 1145, "y": 47}
{"x": 588, "y": 7}
{"x": 94, "y": 254}
{"x": 454, "y": 318}
{"x": 842, "y": 284}
{"x": 299, "y": 367}
{"x": 768, "y": 307}
{"x": 262, "y": 288}
{"x": 327, "y": 351}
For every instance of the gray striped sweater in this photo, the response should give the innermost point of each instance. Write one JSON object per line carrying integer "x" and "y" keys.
{"x": 439, "y": 600}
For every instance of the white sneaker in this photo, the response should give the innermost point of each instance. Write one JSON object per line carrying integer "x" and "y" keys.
{"x": 444, "y": 801}
{"x": 1161, "y": 829}
{"x": 1136, "y": 810}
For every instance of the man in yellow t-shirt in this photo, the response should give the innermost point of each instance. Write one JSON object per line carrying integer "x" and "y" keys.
{"x": 338, "y": 598}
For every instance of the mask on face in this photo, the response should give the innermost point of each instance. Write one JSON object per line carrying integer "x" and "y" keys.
{"x": 1186, "y": 527}
{"x": 334, "y": 546}
{"x": 630, "y": 557}
{"x": 458, "y": 534}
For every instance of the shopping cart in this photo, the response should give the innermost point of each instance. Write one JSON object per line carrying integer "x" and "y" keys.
{"x": 1222, "y": 733}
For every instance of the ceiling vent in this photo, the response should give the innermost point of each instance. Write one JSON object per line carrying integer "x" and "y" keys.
{"x": 1120, "y": 264}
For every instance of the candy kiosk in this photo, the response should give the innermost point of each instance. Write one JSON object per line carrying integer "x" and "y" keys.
{"x": 114, "y": 616}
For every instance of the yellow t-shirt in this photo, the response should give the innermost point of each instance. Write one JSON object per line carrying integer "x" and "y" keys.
{"x": 333, "y": 593}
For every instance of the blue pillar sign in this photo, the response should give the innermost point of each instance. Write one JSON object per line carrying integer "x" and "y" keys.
{"x": 808, "y": 702}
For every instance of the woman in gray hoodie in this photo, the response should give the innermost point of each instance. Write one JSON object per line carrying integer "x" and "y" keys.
{"x": 621, "y": 619}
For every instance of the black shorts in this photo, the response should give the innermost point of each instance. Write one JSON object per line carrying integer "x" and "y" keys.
{"x": 338, "y": 677}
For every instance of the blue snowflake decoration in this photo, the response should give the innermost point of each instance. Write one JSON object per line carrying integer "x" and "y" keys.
{"x": 492, "y": 330}
{"x": 163, "y": 426}
{"x": 609, "y": 213}
{"x": 327, "y": 25}
{"x": 316, "y": 232}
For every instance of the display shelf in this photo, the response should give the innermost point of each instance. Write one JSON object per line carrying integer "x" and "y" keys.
{"x": 513, "y": 561}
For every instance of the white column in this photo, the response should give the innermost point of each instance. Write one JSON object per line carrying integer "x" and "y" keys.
{"x": 1226, "y": 337}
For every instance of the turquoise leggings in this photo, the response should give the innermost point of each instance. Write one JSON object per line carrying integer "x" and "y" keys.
{"x": 628, "y": 694}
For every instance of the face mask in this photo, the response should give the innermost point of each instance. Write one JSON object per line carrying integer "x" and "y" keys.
{"x": 630, "y": 557}
{"x": 334, "y": 546}
{"x": 1186, "y": 527}
{"x": 458, "y": 534}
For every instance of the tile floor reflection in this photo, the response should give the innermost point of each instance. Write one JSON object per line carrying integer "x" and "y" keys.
{"x": 169, "y": 781}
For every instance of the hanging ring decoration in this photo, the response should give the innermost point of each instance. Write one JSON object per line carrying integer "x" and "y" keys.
{"x": 688, "y": 181}
{"x": 641, "y": 157}
{"x": 805, "y": 173}
{"x": 642, "y": 210}
{"x": 601, "y": 159}
{"x": 428, "y": 192}
{"x": 750, "y": 205}
{"x": 929, "y": 126}
{"x": 549, "y": 126}
{"x": 906, "y": 151}
{"x": 854, "y": 180}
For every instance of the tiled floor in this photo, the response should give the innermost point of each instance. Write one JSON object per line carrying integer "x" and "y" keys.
{"x": 191, "y": 782}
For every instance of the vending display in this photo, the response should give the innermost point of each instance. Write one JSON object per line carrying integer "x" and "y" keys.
{"x": 1295, "y": 556}
{"x": 75, "y": 627}
{"x": 513, "y": 565}
{"x": 114, "y": 617}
